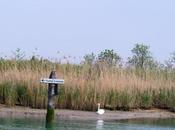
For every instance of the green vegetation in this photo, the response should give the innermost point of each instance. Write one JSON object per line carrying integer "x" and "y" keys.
{"x": 142, "y": 82}
{"x": 141, "y": 58}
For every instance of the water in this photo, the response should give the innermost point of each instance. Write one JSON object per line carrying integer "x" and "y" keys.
{"x": 39, "y": 124}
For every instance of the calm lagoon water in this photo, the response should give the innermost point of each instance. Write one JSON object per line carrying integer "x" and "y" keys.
{"x": 39, "y": 124}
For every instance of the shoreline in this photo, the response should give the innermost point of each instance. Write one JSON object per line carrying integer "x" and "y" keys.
{"x": 24, "y": 112}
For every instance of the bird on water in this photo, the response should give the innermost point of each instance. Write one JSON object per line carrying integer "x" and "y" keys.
{"x": 100, "y": 111}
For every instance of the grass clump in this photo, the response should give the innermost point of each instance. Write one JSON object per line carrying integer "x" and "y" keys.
{"x": 8, "y": 94}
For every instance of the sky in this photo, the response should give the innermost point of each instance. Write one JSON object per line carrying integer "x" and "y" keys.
{"x": 78, "y": 27}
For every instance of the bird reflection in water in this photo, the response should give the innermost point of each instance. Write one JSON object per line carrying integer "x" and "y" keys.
{"x": 99, "y": 124}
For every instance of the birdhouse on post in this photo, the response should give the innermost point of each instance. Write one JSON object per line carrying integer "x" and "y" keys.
{"x": 53, "y": 83}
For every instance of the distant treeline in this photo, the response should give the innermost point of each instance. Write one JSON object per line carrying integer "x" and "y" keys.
{"x": 141, "y": 58}
{"x": 141, "y": 82}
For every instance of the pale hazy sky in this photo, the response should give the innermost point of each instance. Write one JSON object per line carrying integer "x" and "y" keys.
{"x": 78, "y": 27}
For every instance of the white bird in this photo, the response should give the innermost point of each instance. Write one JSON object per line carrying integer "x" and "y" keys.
{"x": 100, "y": 111}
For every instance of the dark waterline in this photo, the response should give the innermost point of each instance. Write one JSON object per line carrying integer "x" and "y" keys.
{"x": 60, "y": 124}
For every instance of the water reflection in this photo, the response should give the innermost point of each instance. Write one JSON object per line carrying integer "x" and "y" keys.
{"x": 60, "y": 124}
{"x": 49, "y": 125}
{"x": 99, "y": 124}
{"x": 152, "y": 122}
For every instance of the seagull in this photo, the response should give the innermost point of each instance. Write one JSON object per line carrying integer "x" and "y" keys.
{"x": 100, "y": 111}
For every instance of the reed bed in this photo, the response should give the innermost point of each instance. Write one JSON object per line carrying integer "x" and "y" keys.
{"x": 86, "y": 85}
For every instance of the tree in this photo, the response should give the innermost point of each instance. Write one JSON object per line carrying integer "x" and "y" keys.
{"x": 89, "y": 59}
{"x": 141, "y": 58}
{"x": 173, "y": 57}
{"x": 171, "y": 62}
{"x": 19, "y": 54}
{"x": 109, "y": 57}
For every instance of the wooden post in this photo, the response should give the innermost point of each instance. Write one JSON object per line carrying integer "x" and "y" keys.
{"x": 52, "y": 91}
{"x": 50, "y": 105}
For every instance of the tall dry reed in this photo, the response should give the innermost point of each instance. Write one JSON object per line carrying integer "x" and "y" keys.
{"x": 85, "y": 86}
